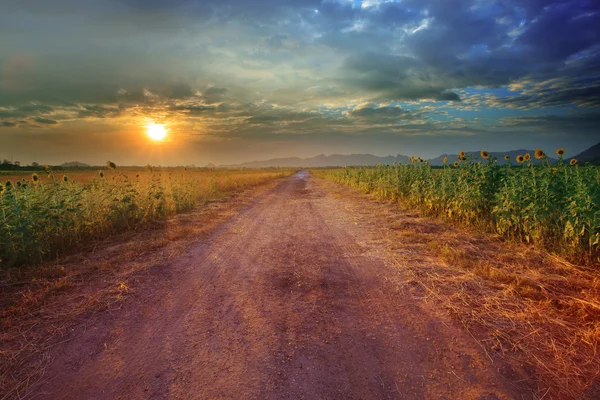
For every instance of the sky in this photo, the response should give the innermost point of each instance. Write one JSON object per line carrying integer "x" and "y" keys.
{"x": 242, "y": 80}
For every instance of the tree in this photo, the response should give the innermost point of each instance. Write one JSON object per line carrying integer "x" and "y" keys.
{"x": 35, "y": 164}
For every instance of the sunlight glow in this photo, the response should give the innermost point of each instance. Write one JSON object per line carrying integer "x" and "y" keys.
{"x": 156, "y": 131}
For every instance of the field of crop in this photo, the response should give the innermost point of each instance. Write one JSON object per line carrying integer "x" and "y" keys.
{"x": 45, "y": 214}
{"x": 552, "y": 206}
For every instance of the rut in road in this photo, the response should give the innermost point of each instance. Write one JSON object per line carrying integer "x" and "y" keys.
{"x": 288, "y": 300}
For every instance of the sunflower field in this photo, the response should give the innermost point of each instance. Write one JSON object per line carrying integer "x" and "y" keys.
{"x": 43, "y": 215}
{"x": 555, "y": 206}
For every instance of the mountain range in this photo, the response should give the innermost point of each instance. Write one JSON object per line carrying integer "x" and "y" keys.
{"x": 591, "y": 155}
{"x": 74, "y": 164}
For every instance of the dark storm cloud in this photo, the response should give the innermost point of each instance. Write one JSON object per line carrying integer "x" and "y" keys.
{"x": 45, "y": 121}
{"x": 386, "y": 114}
{"x": 277, "y": 116}
{"x": 406, "y": 50}
{"x": 582, "y": 92}
{"x": 578, "y": 22}
{"x": 12, "y": 114}
{"x": 213, "y": 95}
{"x": 98, "y": 111}
{"x": 388, "y": 77}
{"x": 267, "y": 67}
{"x": 34, "y": 108}
{"x": 25, "y": 110}
{"x": 588, "y": 122}
{"x": 192, "y": 109}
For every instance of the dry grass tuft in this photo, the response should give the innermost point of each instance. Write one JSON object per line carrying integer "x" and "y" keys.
{"x": 528, "y": 306}
{"x": 519, "y": 303}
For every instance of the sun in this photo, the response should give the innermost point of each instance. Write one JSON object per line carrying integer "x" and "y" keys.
{"x": 156, "y": 131}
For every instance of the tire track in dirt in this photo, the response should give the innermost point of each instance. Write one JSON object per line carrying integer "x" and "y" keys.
{"x": 288, "y": 300}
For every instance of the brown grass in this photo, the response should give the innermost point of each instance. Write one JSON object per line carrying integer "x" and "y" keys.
{"x": 528, "y": 306}
{"x": 38, "y": 306}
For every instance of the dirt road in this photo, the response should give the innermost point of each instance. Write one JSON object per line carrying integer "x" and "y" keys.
{"x": 290, "y": 299}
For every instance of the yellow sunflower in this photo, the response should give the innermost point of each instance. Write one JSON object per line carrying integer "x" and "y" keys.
{"x": 539, "y": 154}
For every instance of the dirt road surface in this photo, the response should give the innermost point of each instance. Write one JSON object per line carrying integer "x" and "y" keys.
{"x": 290, "y": 299}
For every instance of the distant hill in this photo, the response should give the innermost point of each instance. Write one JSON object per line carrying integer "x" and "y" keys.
{"x": 591, "y": 155}
{"x": 339, "y": 160}
{"x": 74, "y": 164}
{"x": 322, "y": 161}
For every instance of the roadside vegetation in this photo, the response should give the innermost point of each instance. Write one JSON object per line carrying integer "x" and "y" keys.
{"x": 554, "y": 206}
{"x": 518, "y": 302}
{"x": 45, "y": 214}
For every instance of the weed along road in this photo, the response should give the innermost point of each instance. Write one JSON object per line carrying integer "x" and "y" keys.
{"x": 292, "y": 298}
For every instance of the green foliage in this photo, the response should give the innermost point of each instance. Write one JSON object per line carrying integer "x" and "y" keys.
{"x": 41, "y": 220}
{"x": 556, "y": 207}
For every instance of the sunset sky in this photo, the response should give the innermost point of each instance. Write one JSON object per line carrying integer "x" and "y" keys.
{"x": 243, "y": 80}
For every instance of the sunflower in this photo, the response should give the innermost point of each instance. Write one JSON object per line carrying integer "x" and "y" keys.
{"x": 539, "y": 154}
{"x": 1, "y": 188}
{"x": 412, "y": 159}
{"x": 426, "y": 162}
{"x": 573, "y": 161}
{"x": 484, "y": 154}
{"x": 8, "y": 185}
{"x": 560, "y": 152}
{"x": 520, "y": 159}
{"x": 527, "y": 156}
{"x": 35, "y": 178}
{"x": 111, "y": 165}
{"x": 65, "y": 178}
{"x": 507, "y": 158}
{"x": 150, "y": 168}
{"x": 101, "y": 173}
{"x": 462, "y": 154}
{"x": 445, "y": 160}
{"x": 456, "y": 163}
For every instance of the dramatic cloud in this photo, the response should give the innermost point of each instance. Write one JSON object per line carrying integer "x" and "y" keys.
{"x": 45, "y": 121}
{"x": 297, "y": 77}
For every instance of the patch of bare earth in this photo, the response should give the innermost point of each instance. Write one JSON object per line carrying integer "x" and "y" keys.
{"x": 524, "y": 306}
{"x": 41, "y": 307}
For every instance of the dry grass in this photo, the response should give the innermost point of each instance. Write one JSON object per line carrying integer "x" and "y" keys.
{"x": 526, "y": 305}
{"x": 40, "y": 306}
{"x": 521, "y": 303}
{"x": 50, "y": 215}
